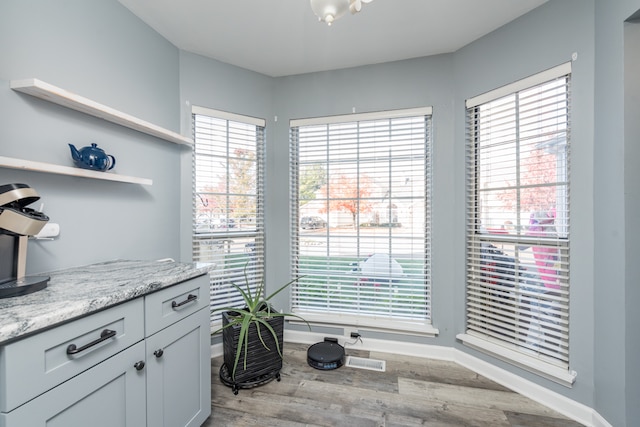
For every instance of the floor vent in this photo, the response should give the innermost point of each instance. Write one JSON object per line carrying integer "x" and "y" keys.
{"x": 363, "y": 363}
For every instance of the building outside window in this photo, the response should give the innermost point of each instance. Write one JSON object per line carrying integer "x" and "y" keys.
{"x": 518, "y": 234}
{"x": 228, "y": 202}
{"x": 360, "y": 210}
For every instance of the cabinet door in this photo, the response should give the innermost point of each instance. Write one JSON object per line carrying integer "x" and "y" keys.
{"x": 111, "y": 394}
{"x": 179, "y": 373}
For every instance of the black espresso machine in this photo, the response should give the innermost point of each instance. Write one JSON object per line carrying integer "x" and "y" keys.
{"x": 17, "y": 223}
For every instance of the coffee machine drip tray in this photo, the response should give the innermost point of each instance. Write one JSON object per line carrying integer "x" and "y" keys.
{"x": 24, "y": 286}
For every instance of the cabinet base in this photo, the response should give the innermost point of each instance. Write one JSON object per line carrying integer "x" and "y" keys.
{"x": 225, "y": 377}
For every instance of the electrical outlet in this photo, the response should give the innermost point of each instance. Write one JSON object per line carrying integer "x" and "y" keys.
{"x": 49, "y": 231}
{"x": 351, "y": 333}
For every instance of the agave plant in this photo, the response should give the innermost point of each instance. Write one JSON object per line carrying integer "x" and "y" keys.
{"x": 257, "y": 310}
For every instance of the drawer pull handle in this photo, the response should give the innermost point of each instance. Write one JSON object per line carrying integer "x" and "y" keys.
{"x": 104, "y": 335}
{"x": 189, "y": 299}
{"x": 158, "y": 353}
{"x": 139, "y": 365}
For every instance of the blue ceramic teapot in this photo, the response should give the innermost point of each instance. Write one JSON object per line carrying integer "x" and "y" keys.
{"x": 92, "y": 158}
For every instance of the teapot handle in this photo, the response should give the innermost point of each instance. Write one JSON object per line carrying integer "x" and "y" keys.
{"x": 113, "y": 162}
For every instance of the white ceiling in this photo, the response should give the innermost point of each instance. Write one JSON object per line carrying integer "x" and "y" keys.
{"x": 283, "y": 37}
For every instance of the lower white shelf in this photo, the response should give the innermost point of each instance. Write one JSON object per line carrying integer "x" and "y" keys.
{"x": 8, "y": 162}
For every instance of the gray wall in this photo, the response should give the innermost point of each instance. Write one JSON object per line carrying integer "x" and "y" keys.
{"x": 632, "y": 213}
{"x": 404, "y": 84}
{"x": 616, "y": 193}
{"x": 603, "y": 350}
{"x": 213, "y": 84}
{"x": 444, "y": 82}
{"x": 98, "y": 50}
{"x": 101, "y": 51}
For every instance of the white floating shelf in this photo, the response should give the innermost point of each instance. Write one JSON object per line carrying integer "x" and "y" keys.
{"x": 48, "y": 92}
{"x": 8, "y": 162}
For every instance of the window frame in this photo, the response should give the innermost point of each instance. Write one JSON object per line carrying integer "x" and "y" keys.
{"x": 515, "y": 352}
{"x": 422, "y": 327}
{"x": 231, "y": 236}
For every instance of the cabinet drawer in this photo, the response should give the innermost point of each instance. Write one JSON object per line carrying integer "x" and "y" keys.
{"x": 36, "y": 364}
{"x": 111, "y": 394}
{"x": 173, "y": 304}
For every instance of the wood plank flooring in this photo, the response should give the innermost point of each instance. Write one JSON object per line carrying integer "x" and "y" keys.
{"x": 412, "y": 392}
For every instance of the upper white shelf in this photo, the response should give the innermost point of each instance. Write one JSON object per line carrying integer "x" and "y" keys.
{"x": 11, "y": 163}
{"x": 68, "y": 99}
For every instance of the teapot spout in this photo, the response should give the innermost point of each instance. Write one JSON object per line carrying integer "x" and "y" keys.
{"x": 75, "y": 154}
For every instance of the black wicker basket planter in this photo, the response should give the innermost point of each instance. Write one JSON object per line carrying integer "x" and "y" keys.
{"x": 262, "y": 365}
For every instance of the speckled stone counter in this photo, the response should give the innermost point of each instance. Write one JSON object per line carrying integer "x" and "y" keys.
{"x": 79, "y": 291}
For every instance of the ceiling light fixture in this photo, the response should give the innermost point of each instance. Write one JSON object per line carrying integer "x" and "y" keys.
{"x": 330, "y": 10}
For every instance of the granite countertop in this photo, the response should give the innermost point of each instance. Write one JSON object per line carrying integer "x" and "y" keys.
{"x": 78, "y": 291}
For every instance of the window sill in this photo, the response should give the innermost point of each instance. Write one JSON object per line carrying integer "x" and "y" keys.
{"x": 554, "y": 373}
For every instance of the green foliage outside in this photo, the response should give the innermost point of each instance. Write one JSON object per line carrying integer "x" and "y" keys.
{"x": 321, "y": 289}
{"x": 312, "y": 178}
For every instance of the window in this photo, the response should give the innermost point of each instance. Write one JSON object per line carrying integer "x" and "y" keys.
{"x": 517, "y": 266}
{"x": 228, "y": 214}
{"x": 360, "y": 193}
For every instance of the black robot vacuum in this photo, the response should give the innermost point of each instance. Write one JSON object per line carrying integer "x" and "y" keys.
{"x": 326, "y": 355}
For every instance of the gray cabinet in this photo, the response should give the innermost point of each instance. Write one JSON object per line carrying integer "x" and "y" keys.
{"x": 179, "y": 373}
{"x": 178, "y": 354}
{"x": 145, "y": 362}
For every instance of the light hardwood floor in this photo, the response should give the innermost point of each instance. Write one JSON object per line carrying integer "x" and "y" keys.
{"x": 412, "y": 392}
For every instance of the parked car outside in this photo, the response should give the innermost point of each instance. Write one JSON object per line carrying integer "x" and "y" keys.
{"x": 312, "y": 222}
{"x": 226, "y": 222}
{"x": 204, "y": 224}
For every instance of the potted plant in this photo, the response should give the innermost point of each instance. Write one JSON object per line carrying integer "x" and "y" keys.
{"x": 255, "y": 334}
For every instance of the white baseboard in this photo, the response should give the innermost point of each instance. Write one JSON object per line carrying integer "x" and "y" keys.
{"x": 383, "y": 346}
{"x": 216, "y": 350}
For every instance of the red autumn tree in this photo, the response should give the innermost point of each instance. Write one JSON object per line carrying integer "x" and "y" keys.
{"x": 348, "y": 194}
{"x": 233, "y": 194}
{"x": 537, "y": 170}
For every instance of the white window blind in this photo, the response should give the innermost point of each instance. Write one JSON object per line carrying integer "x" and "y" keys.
{"x": 360, "y": 210}
{"x": 518, "y": 235}
{"x": 228, "y": 213}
